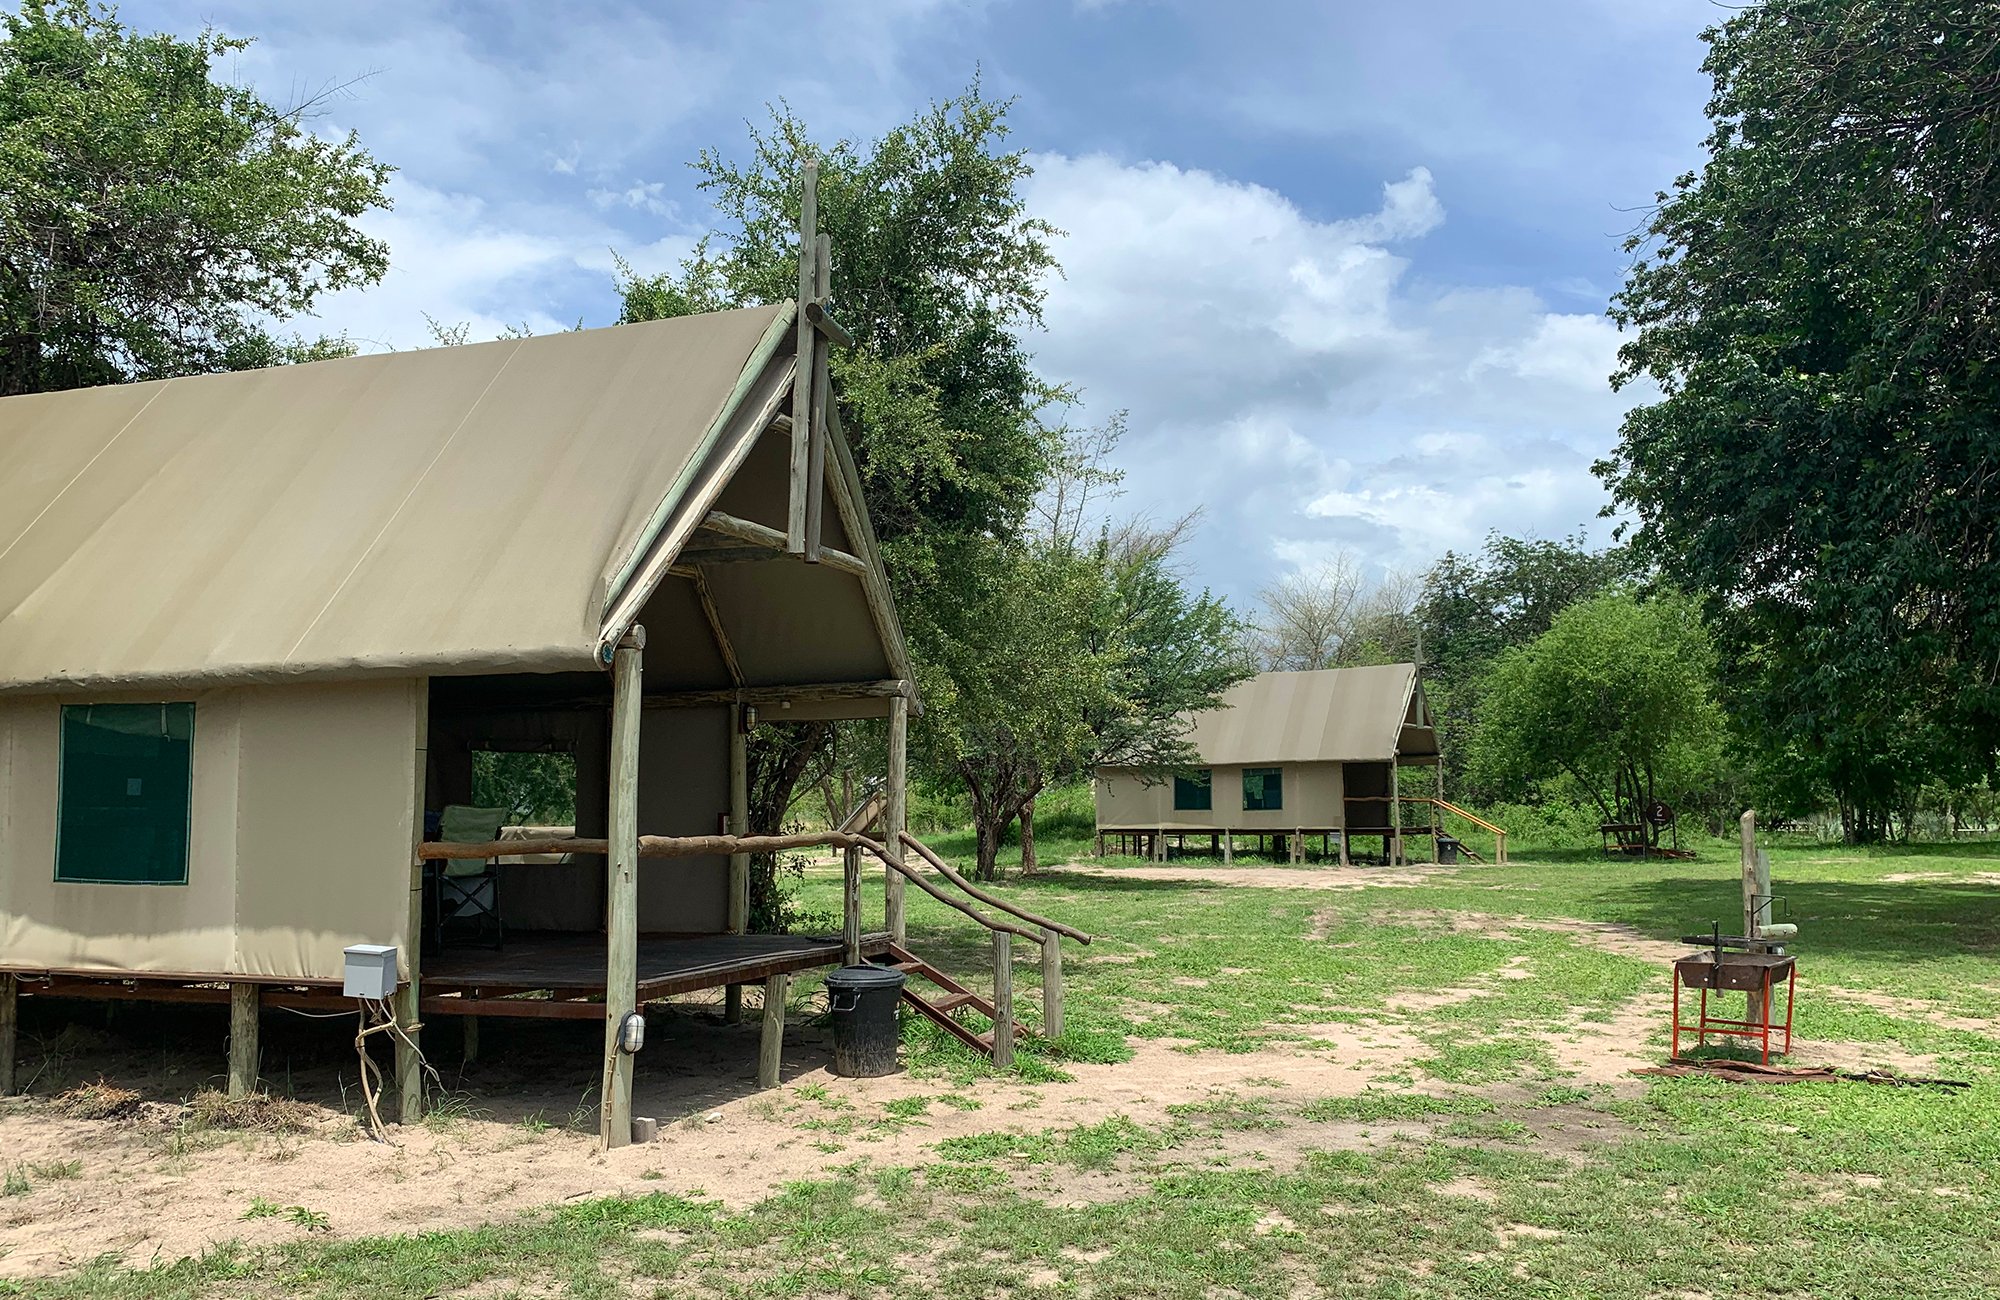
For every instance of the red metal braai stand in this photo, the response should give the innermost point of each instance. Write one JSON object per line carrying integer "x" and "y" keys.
{"x": 1753, "y": 973}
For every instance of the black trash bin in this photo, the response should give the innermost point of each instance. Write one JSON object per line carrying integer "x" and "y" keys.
{"x": 1448, "y": 849}
{"x": 862, "y": 1001}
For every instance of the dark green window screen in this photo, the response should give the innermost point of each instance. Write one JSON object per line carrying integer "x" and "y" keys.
{"x": 1263, "y": 789}
{"x": 1194, "y": 793}
{"x": 127, "y": 784}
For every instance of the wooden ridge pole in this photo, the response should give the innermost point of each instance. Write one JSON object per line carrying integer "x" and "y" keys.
{"x": 822, "y": 385}
{"x": 621, "y": 907}
{"x": 802, "y": 382}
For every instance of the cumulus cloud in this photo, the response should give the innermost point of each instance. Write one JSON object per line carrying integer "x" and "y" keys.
{"x": 1300, "y": 379}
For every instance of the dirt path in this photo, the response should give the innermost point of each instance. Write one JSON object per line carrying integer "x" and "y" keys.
{"x": 146, "y": 1188}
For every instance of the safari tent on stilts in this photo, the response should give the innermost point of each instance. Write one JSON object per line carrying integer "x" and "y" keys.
{"x": 255, "y": 626}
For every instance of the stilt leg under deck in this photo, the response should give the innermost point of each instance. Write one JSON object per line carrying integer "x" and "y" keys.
{"x": 10, "y": 990}
{"x": 243, "y": 1008}
{"x": 771, "y": 1048}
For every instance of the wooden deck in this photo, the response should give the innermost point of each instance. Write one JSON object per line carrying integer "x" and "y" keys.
{"x": 565, "y": 972}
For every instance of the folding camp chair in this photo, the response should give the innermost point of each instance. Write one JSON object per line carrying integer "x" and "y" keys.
{"x": 466, "y": 891}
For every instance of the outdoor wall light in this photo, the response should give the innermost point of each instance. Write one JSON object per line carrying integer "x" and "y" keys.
{"x": 631, "y": 1033}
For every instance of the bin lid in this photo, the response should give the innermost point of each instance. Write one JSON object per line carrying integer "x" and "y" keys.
{"x": 861, "y": 978}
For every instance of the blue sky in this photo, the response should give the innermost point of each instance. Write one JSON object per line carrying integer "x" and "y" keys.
{"x": 1345, "y": 265}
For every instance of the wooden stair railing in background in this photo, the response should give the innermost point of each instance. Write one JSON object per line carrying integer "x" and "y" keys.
{"x": 1499, "y": 834}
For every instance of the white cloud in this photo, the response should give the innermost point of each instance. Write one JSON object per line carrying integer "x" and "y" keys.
{"x": 453, "y": 258}
{"x": 1301, "y": 380}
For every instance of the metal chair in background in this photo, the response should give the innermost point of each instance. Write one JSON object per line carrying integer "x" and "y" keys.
{"x": 466, "y": 891}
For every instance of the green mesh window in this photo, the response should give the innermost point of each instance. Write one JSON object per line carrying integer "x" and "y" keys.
{"x": 1263, "y": 789}
{"x": 1194, "y": 793}
{"x": 126, "y": 787}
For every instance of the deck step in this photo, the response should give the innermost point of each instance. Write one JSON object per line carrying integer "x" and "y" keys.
{"x": 950, "y": 996}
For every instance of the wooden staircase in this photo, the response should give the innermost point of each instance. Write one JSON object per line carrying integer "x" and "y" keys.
{"x": 938, "y": 1008}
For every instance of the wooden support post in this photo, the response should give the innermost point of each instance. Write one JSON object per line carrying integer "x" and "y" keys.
{"x": 802, "y": 382}
{"x": 409, "y": 996}
{"x": 895, "y": 814}
{"x": 1344, "y": 861}
{"x": 621, "y": 907}
{"x": 1229, "y": 849}
{"x": 1753, "y": 906}
{"x": 739, "y": 863}
{"x": 1052, "y": 985}
{"x": 822, "y": 384}
{"x": 1003, "y": 999}
{"x": 10, "y": 1030}
{"x": 771, "y": 1049}
{"x": 471, "y": 1039}
{"x": 243, "y": 1007}
{"x": 850, "y": 906}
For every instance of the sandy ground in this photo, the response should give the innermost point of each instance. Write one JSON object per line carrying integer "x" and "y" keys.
{"x": 146, "y": 1191}
{"x": 147, "y": 1188}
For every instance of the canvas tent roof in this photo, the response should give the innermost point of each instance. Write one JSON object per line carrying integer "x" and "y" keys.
{"x": 1350, "y": 715}
{"x": 457, "y": 510}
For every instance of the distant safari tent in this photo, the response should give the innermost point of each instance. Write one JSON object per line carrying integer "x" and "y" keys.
{"x": 254, "y": 628}
{"x": 1288, "y": 758}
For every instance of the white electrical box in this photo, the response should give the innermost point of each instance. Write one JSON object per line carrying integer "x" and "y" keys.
{"x": 370, "y": 971}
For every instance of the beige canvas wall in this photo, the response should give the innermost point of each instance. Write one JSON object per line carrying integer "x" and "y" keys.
{"x": 301, "y": 829}
{"x": 683, "y": 790}
{"x": 1312, "y": 797}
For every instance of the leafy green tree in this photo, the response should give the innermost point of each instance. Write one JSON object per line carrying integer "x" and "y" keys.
{"x": 938, "y": 271}
{"x": 1820, "y": 308}
{"x": 152, "y": 218}
{"x": 1011, "y": 698}
{"x": 1617, "y": 697}
{"x": 1473, "y": 607}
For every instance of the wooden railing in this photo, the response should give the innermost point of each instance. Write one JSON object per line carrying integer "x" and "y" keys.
{"x": 1046, "y": 933}
{"x": 1498, "y": 833}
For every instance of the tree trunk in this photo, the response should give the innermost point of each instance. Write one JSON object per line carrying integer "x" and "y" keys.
{"x": 780, "y": 757}
{"x": 1029, "y": 864}
{"x": 987, "y": 866}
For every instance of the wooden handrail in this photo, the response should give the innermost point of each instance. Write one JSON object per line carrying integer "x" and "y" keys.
{"x": 1019, "y": 913}
{"x": 691, "y": 846}
{"x": 1474, "y": 818}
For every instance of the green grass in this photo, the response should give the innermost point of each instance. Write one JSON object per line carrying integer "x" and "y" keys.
{"x": 1480, "y": 1169}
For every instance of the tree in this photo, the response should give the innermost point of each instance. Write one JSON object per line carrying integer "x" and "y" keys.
{"x": 151, "y": 218}
{"x": 1820, "y": 308}
{"x": 1014, "y": 695}
{"x": 1122, "y": 651}
{"x": 939, "y": 272}
{"x": 1617, "y": 696}
{"x": 1307, "y": 617}
{"x": 1473, "y": 607}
